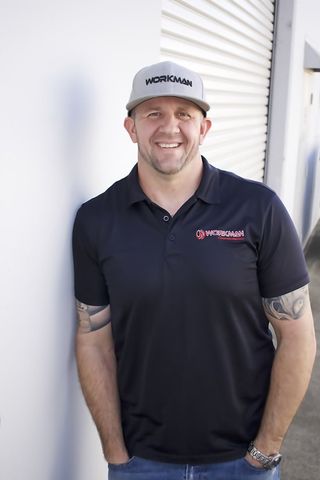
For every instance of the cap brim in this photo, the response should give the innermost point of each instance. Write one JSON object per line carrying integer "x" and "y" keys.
{"x": 201, "y": 104}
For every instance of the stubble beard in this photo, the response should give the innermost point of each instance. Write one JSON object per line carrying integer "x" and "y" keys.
{"x": 152, "y": 160}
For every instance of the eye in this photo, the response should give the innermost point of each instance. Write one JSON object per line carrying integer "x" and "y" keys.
{"x": 154, "y": 114}
{"x": 184, "y": 115}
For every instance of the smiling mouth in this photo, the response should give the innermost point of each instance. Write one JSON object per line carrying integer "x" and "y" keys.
{"x": 168, "y": 145}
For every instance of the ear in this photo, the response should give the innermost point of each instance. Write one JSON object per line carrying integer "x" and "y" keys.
{"x": 204, "y": 128}
{"x": 131, "y": 128}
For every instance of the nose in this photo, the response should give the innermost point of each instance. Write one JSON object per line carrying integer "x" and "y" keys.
{"x": 170, "y": 124}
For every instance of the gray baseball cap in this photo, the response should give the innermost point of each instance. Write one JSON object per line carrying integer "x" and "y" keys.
{"x": 167, "y": 79}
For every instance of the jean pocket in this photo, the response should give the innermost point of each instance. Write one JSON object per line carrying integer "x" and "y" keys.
{"x": 253, "y": 468}
{"x": 121, "y": 465}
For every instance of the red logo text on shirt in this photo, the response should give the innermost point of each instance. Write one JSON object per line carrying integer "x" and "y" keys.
{"x": 232, "y": 235}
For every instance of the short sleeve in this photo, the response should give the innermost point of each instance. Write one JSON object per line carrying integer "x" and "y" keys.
{"x": 89, "y": 283}
{"x": 281, "y": 263}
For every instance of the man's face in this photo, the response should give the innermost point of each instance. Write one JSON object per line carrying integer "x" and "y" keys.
{"x": 168, "y": 131}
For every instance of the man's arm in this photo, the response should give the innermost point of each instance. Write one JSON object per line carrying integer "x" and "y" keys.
{"x": 97, "y": 372}
{"x": 291, "y": 318}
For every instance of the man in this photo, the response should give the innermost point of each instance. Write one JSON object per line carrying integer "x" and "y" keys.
{"x": 179, "y": 268}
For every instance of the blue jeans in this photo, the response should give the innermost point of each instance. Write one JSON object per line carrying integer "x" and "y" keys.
{"x": 138, "y": 468}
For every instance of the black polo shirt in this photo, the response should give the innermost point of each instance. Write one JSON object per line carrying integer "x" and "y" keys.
{"x": 192, "y": 342}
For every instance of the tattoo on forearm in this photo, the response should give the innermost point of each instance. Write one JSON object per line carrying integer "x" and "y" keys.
{"x": 290, "y": 306}
{"x": 91, "y": 317}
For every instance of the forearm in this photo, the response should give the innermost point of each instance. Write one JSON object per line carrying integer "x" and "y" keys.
{"x": 289, "y": 381}
{"x": 97, "y": 372}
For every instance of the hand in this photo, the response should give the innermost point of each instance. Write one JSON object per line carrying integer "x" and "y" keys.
{"x": 252, "y": 461}
{"x": 117, "y": 459}
{"x": 115, "y": 452}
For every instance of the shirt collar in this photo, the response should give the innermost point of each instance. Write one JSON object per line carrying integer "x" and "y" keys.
{"x": 208, "y": 190}
{"x": 135, "y": 192}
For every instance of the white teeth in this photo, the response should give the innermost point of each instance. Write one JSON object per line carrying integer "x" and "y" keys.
{"x": 168, "y": 145}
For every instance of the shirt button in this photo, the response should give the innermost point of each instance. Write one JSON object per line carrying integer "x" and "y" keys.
{"x": 172, "y": 237}
{"x": 166, "y": 218}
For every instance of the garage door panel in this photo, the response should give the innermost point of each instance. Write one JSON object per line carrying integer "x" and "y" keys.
{"x": 229, "y": 43}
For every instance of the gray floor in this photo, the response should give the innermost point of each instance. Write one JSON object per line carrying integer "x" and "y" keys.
{"x": 301, "y": 448}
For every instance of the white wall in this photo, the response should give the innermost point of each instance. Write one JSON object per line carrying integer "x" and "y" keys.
{"x": 287, "y": 167}
{"x": 66, "y": 69}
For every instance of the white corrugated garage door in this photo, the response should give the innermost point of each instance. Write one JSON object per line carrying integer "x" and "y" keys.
{"x": 229, "y": 42}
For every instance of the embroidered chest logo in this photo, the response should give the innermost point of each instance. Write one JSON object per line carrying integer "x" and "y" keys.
{"x": 232, "y": 235}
